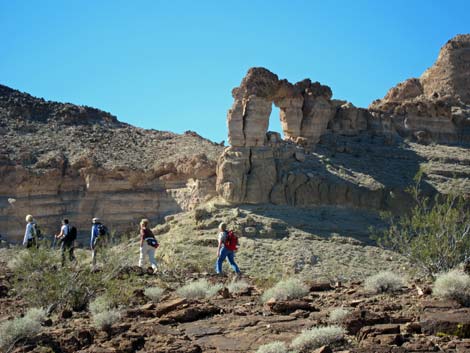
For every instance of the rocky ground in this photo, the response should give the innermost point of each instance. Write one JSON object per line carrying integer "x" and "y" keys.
{"x": 332, "y": 255}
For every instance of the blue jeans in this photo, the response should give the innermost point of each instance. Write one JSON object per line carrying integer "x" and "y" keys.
{"x": 230, "y": 255}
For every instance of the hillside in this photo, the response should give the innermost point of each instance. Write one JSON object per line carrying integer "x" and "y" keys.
{"x": 61, "y": 160}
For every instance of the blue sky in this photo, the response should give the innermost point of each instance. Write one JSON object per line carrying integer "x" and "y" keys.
{"x": 171, "y": 65}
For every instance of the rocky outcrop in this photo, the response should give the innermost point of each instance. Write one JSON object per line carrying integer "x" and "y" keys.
{"x": 306, "y": 109}
{"x": 61, "y": 160}
{"x": 435, "y": 107}
{"x": 262, "y": 167}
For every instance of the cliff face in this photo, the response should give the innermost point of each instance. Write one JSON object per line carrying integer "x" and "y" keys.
{"x": 435, "y": 107}
{"x": 335, "y": 153}
{"x": 62, "y": 160}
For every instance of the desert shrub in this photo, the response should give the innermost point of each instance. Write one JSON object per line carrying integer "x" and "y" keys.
{"x": 383, "y": 282}
{"x": 199, "y": 289}
{"x": 287, "y": 289}
{"x": 434, "y": 235}
{"x": 274, "y": 347}
{"x": 105, "y": 319}
{"x": 99, "y": 305}
{"x": 13, "y": 330}
{"x": 317, "y": 337}
{"x": 237, "y": 286}
{"x": 453, "y": 285}
{"x": 154, "y": 293}
{"x": 338, "y": 315}
{"x": 39, "y": 278}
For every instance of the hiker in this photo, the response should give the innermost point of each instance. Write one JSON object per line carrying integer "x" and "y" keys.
{"x": 67, "y": 237}
{"x": 148, "y": 244}
{"x": 30, "y": 232}
{"x": 228, "y": 243}
{"x": 98, "y": 230}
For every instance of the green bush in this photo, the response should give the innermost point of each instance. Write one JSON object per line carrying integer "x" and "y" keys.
{"x": 154, "y": 293}
{"x": 13, "y": 330}
{"x": 99, "y": 305}
{"x": 383, "y": 282}
{"x": 105, "y": 319}
{"x": 237, "y": 286}
{"x": 287, "y": 289}
{"x": 453, "y": 285}
{"x": 274, "y": 347}
{"x": 338, "y": 315}
{"x": 199, "y": 289}
{"x": 317, "y": 337}
{"x": 435, "y": 235}
{"x": 41, "y": 281}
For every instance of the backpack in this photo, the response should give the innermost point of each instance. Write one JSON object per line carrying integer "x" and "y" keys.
{"x": 102, "y": 230}
{"x": 72, "y": 234}
{"x": 37, "y": 231}
{"x": 231, "y": 241}
{"x": 152, "y": 242}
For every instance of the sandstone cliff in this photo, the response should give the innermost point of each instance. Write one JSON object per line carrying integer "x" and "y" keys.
{"x": 335, "y": 153}
{"x": 61, "y": 160}
{"x": 435, "y": 107}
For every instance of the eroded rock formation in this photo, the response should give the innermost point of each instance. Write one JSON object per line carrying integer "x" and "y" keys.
{"x": 260, "y": 167}
{"x": 435, "y": 107}
{"x": 61, "y": 160}
{"x": 306, "y": 109}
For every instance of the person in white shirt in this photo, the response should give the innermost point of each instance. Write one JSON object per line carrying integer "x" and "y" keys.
{"x": 30, "y": 234}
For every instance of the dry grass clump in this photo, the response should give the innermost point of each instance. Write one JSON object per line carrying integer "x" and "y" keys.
{"x": 383, "y": 282}
{"x": 238, "y": 286}
{"x": 199, "y": 289}
{"x": 273, "y": 347}
{"x": 338, "y": 315}
{"x": 104, "y": 320}
{"x": 453, "y": 285}
{"x": 317, "y": 337}
{"x": 284, "y": 290}
{"x": 99, "y": 305}
{"x": 13, "y": 330}
{"x": 102, "y": 315}
{"x": 154, "y": 293}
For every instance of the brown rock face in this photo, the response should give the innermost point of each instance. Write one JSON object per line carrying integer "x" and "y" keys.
{"x": 435, "y": 107}
{"x": 61, "y": 160}
{"x": 450, "y": 75}
{"x": 261, "y": 167}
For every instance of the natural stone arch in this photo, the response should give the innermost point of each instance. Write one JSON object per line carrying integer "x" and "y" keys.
{"x": 305, "y": 109}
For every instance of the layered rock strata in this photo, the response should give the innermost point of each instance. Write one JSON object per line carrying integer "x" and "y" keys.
{"x": 261, "y": 167}
{"x": 435, "y": 107}
{"x": 61, "y": 160}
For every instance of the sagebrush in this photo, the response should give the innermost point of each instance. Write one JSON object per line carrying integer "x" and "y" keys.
{"x": 199, "y": 289}
{"x": 288, "y": 289}
{"x": 338, "y": 315}
{"x": 105, "y": 319}
{"x": 317, "y": 337}
{"x": 273, "y": 347}
{"x": 237, "y": 286}
{"x": 453, "y": 285}
{"x": 154, "y": 293}
{"x": 384, "y": 282}
{"x": 29, "y": 325}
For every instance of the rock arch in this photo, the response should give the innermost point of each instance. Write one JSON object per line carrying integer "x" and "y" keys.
{"x": 305, "y": 109}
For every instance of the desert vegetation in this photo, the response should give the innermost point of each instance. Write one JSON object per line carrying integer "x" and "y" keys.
{"x": 383, "y": 282}
{"x": 287, "y": 289}
{"x": 434, "y": 235}
{"x": 453, "y": 285}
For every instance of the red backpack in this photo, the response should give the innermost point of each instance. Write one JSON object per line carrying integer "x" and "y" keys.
{"x": 231, "y": 241}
